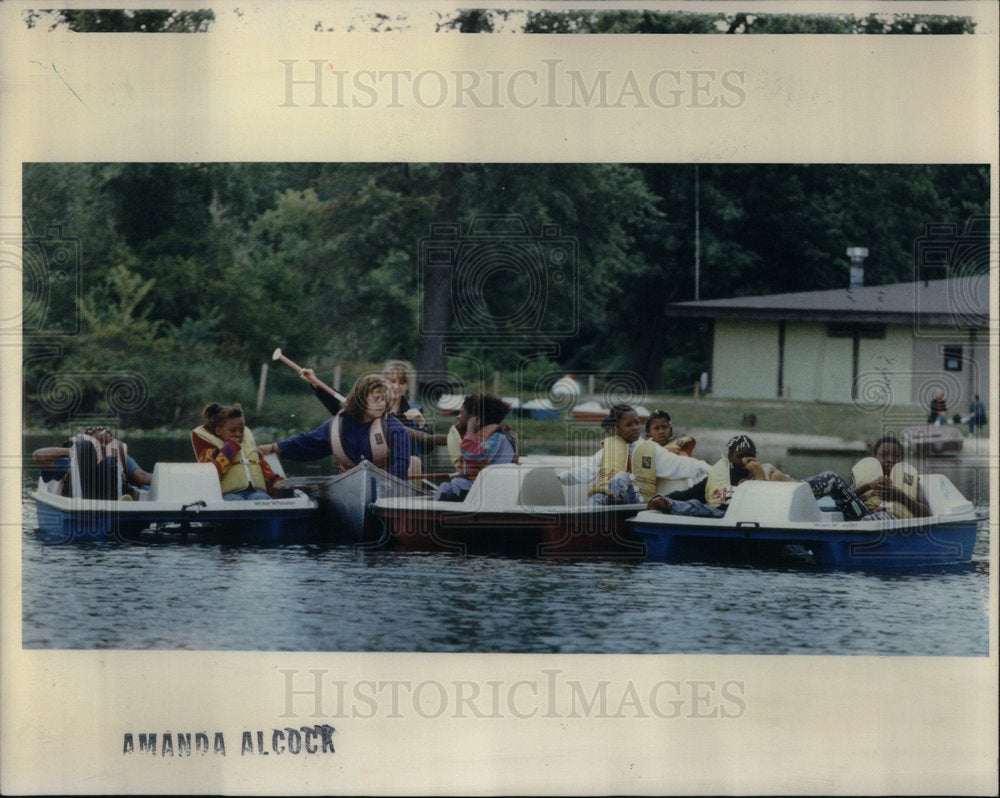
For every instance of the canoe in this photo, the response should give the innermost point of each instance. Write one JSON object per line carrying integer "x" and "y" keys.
{"x": 183, "y": 499}
{"x": 513, "y": 509}
{"x": 768, "y": 521}
{"x": 346, "y": 500}
{"x": 932, "y": 440}
{"x": 538, "y": 409}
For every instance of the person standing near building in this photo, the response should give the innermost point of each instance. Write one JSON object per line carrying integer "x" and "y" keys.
{"x": 977, "y": 414}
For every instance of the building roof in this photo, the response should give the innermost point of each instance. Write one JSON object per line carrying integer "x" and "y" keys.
{"x": 958, "y": 302}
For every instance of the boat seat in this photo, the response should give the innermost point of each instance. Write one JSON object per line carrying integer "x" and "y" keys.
{"x": 185, "y": 482}
{"x": 770, "y": 503}
{"x": 541, "y": 487}
{"x": 943, "y": 497}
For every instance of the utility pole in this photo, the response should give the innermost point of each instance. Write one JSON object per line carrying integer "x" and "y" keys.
{"x": 697, "y": 236}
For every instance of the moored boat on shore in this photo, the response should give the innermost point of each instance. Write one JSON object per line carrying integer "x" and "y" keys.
{"x": 589, "y": 411}
{"x": 932, "y": 440}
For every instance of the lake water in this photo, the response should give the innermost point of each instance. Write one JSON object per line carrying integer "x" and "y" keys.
{"x": 325, "y": 598}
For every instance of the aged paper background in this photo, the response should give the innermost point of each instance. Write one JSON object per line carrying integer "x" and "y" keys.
{"x": 810, "y": 725}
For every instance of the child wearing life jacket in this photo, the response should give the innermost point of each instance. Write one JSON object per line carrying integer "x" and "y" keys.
{"x": 625, "y": 470}
{"x": 887, "y": 483}
{"x": 660, "y": 428}
{"x": 485, "y": 442}
{"x": 739, "y": 465}
{"x": 362, "y": 430}
{"x": 710, "y": 497}
{"x": 883, "y": 487}
{"x": 225, "y": 441}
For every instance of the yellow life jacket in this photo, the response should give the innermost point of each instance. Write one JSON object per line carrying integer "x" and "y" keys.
{"x": 644, "y": 469}
{"x": 903, "y": 475}
{"x": 718, "y": 478}
{"x": 641, "y": 463}
{"x": 455, "y": 448}
{"x": 244, "y": 471}
{"x": 378, "y": 439}
{"x": 614, "y": 458}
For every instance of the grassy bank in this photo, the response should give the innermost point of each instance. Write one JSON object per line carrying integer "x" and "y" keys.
{"x": 286, "y": 414}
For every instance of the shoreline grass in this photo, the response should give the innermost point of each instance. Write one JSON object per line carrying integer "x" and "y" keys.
{"x": 284, "y": 415}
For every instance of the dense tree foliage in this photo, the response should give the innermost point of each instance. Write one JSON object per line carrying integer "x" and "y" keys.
{"x": 647, "y": 21}
{"x": 192, "y": 273}
{"x": 115, "y": 20}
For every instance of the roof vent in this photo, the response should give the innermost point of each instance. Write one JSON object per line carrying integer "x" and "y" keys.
{"x": 857, "y": 256}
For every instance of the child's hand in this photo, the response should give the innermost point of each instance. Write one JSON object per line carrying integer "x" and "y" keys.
{"x": 415, "y": 415}
{"x": 754, "y": 468}
{"x": 472, "y": 425}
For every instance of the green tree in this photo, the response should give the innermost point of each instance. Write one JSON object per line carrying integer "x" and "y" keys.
{"x": 110, "y": 20}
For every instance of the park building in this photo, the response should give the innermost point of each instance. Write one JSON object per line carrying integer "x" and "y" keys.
{"x": 879, "y": 346}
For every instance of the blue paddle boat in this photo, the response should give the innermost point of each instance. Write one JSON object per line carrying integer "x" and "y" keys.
{"x": 184, "y": 499}
{"x": 773, "y": 520}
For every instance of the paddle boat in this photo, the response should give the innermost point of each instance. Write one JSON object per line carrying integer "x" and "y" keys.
{"x": 772, "y": 520}
{"x": 932, "y": 440}
{"x": 538, "y": 409}
{"x": 513, "y": 509}
{"x": 183, "y": 499}
{"x": 589, "y": 411}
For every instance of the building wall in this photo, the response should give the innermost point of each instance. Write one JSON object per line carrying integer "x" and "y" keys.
{"x": 745, "y": 359}
{"x": 885, "y": 369}
{"x": 930, "y": 374}
{"x": 817, "y": 367}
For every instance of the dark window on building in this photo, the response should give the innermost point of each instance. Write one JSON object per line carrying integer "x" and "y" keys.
{"x": 953, "y": 358}
{"x": 848, "y": 329}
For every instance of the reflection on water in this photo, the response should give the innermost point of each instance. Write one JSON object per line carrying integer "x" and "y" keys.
{"x": 201, "y": 596}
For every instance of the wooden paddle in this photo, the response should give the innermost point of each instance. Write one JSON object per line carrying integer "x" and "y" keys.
{"x": 312, "y": 378}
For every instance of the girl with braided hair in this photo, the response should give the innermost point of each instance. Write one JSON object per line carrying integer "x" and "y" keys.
{"x": 739, "y": 465}
{"x": 710, "y": 497}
